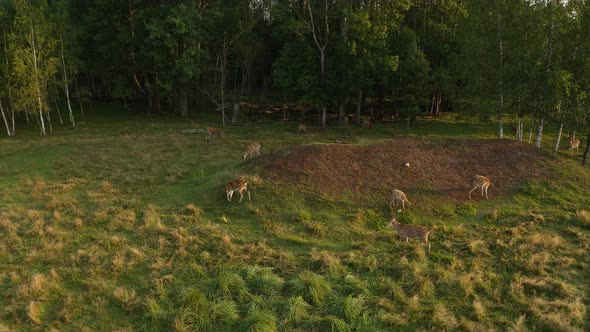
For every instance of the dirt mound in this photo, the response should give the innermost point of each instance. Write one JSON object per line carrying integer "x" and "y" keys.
{"x": 364, "y": 173}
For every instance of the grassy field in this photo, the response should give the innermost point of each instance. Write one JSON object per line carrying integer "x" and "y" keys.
{"x": 121, "y": 224}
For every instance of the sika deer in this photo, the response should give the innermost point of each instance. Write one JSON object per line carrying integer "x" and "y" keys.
{"x": 408, "y": 231}
{"x": 398, "y": 195}
{"x": 251, "y": 149}
{"x": 574, "y": 144}
{"x": 240, "y": 185}
{"x": 367, "y": 123}
{"x": 480, "y": 181}
{"x": 301, "y": 128}
{"x": 213, "y": 132}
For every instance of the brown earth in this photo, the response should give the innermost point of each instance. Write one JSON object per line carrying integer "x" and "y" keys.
{"x": 365, "y": 173}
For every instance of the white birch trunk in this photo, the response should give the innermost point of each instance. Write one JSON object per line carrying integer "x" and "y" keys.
{"x": 558, "y": 139}
{"x": 539, "y": 134}
{"x": 531, "y": 131}
{"x": 5, "y": 120}
{"x": 61, "y": 121}
{"x": 79, "y": 98}
{"x": 66, "y": 88}
{"x": 43, "y": 132}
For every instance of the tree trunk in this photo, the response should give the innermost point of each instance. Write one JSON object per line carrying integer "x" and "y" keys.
{"x": 539, "y": 134}
{"x": 183, "y": 103}
{"x": 501, "y": 71}
{"x": 531, "y": 131}
{"x": 5, "y": 120}
{"x": 61, "y": 121}
{"x": 49, "y": 121}
{"x": 359, "y": 105}
{"x": 40, "y": 104}
{"x": 235, "y": 113}
{"x": 558, "y": 139}
{"x": 66, "y": 88}
{"x": 341, "y": 111}
{"x": 79, "y": 98}
{"x": 585, "y": 157}
{"x": 323, "y": 71}
{"x": 520, "y": 128}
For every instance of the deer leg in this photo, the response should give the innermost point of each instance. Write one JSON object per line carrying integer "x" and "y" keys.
{"x": 482, "y": 189}
{"x": 241, "y": 196}
{"x": 230, "y": 195}
{"x": 408, "y": 240}
{"x": 487, "y": 192}
{"x": 403, "y": 204}
{"x": 248, "y": 191}
{"x": 471, "y": 192}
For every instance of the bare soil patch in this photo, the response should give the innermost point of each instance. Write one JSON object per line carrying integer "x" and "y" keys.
{"x": 363, "y": 173}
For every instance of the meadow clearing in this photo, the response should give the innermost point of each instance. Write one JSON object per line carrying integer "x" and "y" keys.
{"x": 122, "y": 224}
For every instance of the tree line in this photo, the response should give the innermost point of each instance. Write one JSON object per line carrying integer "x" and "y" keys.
{"x": 490, "y": 58}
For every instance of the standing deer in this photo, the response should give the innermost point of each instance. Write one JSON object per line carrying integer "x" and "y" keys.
{"x": 251, "y": 149}
{"x": 405, "y": 166}
{"x": 480, "y": 181}
{"x": 514, "y": 131}
{"x": 213, "y": 132}
{"x": 408, "y": 231}
{"x": 367, "y": 123}
{"x": 574, "y": 144}
{"x": 301, "y": 128}
{"x": 240, "y": 185}
{"x": 398, "y": 195}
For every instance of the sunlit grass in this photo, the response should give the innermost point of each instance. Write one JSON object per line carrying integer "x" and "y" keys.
{"x": 122, "y": 223}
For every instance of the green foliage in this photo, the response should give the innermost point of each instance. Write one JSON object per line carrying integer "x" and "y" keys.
{"x": 466, "y": 209}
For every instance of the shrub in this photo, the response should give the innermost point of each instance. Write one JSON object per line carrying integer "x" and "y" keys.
{"x": 466, "y": 209}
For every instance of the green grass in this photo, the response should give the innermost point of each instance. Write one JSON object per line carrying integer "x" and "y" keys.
{"x": 122, "y": 224}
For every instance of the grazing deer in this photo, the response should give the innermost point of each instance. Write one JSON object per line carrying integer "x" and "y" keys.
{"x": 367, "y": 123}
{"x": 213, "y": 132}
{"x": 301, "y": 128}
{"x": 480, "y": 181}
{"x": 398, "y": 195}
{"x": 574, "y": 144}
{"x": 408, "y": 231}
{"x": 251, "y": 149}
{"x": 240, "y": 185}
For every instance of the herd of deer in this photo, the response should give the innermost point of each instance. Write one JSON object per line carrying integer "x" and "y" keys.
{"x": 240, "y": 186}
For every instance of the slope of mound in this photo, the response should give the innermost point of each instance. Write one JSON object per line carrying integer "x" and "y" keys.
{"x": 363, "y": 173}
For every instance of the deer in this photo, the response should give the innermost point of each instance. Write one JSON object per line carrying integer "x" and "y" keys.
{"x": 480, "y": 181}
{"x": 408, "y": 231}
{"x": 514, "y": 131}
{"x": 405, "y": 166}
{"x": 574, "y": 144}
{"x": 398, "y": 195}
{"x": 302, "y": 128}
{"x": 240, "y": 185}
{"x": 215, "y": 133}
{"x": 367, "y": 123}
{"x": 251, "y": 149}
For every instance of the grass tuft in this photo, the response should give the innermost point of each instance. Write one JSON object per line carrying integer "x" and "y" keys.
{"x": 313, "y": 287}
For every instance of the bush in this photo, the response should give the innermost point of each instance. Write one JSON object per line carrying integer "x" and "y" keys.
{"x": 466, "y": 209}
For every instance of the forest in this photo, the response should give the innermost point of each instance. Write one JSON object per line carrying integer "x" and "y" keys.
{"x": 524, "y": 60}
